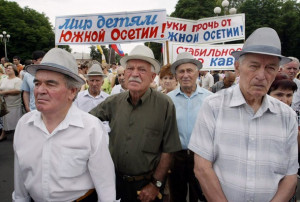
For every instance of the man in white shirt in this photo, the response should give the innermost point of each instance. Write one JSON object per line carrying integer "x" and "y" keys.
{"x": 60, "y": 151}
{"x": 90, "y": 98}
{"x": 207, "y": 80}
{"x": 121, "y": 86}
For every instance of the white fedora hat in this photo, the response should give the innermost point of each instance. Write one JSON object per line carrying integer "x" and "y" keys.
{"x": 264, "y": 41}
{"x": 141, "y": 52}
{"x": 185, "y": 57}
{"x": 95, "y": 70}
{"x": 57, "y": 60}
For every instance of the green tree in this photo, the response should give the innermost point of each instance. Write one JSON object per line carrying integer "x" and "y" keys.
{"x": 29, "y": 30}
{"x": 289, "y": 31}
{"x": 96, "y": 55}
{"x": 194, "y": 9}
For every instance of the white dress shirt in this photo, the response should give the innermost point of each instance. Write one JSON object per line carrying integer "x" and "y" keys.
{"x": 65, "y": 164}
{"x": 207, "y": 81}
{"x": 117, "y": 89}
{"x": 87, "y": 102}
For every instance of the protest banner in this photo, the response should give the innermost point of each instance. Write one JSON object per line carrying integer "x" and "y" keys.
{"x": 111, "y": 28}
{"x": 206, "y": 30}
{"x": 213, "y": 57}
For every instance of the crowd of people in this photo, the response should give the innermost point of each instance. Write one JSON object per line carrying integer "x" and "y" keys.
{"x": 137, "y": 131}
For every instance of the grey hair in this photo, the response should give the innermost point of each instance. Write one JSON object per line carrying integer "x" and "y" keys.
{"x": 72, "y": 83}
{"x": 294, "y": 59}
{"x": 241, "y": 59}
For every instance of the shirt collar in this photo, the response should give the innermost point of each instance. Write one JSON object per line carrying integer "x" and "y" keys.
{"x": 238, "y": 99}
{"x": 73, "y": 118}
{"x": 198, "y": 90}
{"x": 87, "y": 93}
{"x": 142, "y": 99}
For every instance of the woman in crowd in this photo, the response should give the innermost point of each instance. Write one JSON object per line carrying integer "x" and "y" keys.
{"x": 168, "y": 80}
{"x": 10, "y": 89}
{"x": 283, "y": 89}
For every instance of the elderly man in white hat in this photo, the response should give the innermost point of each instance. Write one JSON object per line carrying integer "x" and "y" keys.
{"x": 60, "y": 151}
{"x": 245, "y": 141}
{"x": 143, "y": 130}
{"x": 90, "y": 98}
{"x": 187, "y": 100}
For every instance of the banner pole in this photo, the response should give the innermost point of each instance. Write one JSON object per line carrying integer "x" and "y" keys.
{"x": 167, "y": 47}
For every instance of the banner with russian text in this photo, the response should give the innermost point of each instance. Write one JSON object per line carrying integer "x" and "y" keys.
{"x": 213, "y": 57}
{"x": 111, "y": 27}
{"x": 206, "y": 30}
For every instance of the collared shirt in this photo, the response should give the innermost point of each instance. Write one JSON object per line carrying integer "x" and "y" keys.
{"x": 28, "y": 86}
{"x": 87, "y": 102}
{"x": 207, "y": 81}
{"x": 296, "y": 96}
{"x": 139, "y": 133}
{"x": 186, "y": 111}
{"x": 250, "y": 152}
{"x": 65, "y": 164}
{"x": 117, "y": 89}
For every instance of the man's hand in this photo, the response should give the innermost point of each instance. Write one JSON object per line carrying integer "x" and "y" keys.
{"x": 148, "y": 193}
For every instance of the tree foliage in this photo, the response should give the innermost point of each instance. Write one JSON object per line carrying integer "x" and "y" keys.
{"x": 283, "y": 16}
{"x": 29, "y": 30}
{"x": 194, "y": 9}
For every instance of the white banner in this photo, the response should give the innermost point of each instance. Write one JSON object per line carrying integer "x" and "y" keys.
{"x": 111, "y": 28}
{"x": 206, "y": 30}
{"x": 213, "y": 57}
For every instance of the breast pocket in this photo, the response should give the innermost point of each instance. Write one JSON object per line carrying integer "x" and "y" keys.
{"x": 152, "y": 141}
{"x": 277, "y": 156}
{"x": 73, "y": 162}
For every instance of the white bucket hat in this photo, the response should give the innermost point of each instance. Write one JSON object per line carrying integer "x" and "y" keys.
{"x": 185, "y": 57}
{"x": 264, "y": 41}
{"x": 95, "y": 70}
{"x": 141, "y": 52}
{"x": 57, "y": 60}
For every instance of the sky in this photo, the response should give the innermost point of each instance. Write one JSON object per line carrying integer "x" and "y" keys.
{"x": 53, "y": 8}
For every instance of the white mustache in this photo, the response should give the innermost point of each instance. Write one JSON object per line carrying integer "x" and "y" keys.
{"x": 136, "y": 79}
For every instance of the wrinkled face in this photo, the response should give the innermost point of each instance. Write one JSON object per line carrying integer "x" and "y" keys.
{"x": 169, "y": 82}
{"x": 187, "y": 75}
{"x": 138, "y": 76}
{"x": 121, "y": 76}
{"x": 291, "y": 69}
{"x": 257, "y": 72}
{"x": 284, "y": 95}
{"x": 95, "y": 83}
{"x": 16, "y": 61}
{"x": 51, "y": 93}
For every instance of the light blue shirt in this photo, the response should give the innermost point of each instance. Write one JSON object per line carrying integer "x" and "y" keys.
{"x": 28, "y": 86}
{"x": 186, "y": 111}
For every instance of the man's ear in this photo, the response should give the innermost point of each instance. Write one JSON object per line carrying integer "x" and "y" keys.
{"x": 237, "y": 68}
